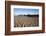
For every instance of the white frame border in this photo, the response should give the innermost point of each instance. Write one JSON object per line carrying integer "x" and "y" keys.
{"x": 26, "y": 28}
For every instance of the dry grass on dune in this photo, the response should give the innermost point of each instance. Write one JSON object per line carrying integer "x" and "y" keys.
{"x": 23, "y": 21}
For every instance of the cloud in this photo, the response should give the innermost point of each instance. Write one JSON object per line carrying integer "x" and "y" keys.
{"x": 18, "y": 11}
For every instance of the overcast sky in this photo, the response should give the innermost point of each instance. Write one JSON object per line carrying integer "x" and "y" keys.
{"x": 22, "y": 11}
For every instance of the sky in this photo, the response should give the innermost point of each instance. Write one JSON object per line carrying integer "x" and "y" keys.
{"x": 22, "y": 11}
